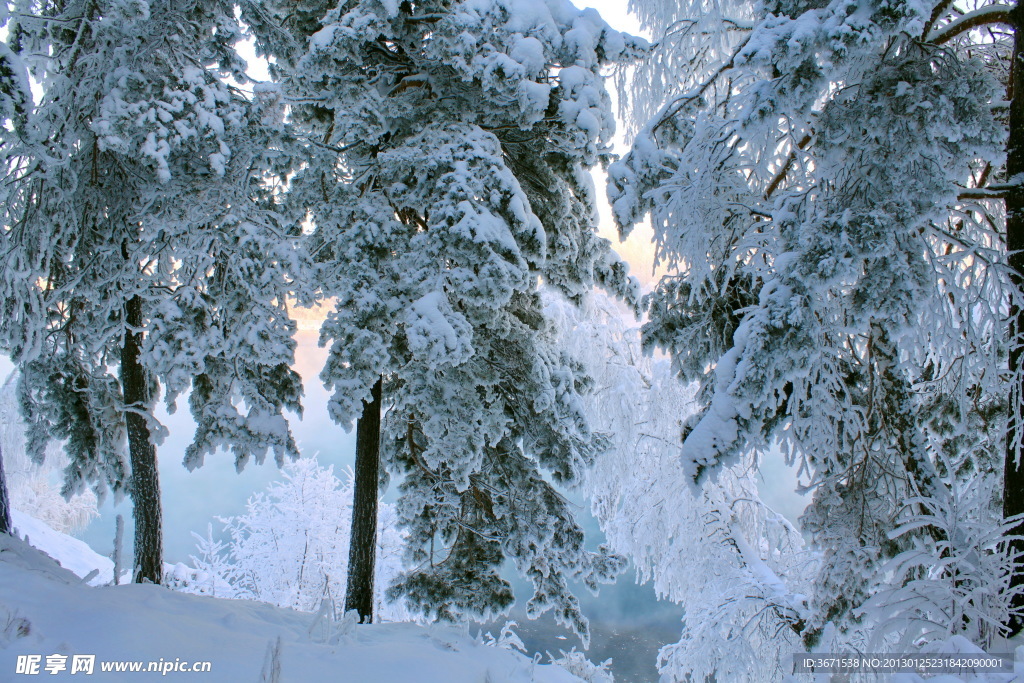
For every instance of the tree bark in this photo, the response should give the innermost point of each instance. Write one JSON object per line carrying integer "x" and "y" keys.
{"x": 6, "y": 525}
{"x": 144, "y": 487}
{"x": 362, "y": 551}
{"x": 1013, "y": 467}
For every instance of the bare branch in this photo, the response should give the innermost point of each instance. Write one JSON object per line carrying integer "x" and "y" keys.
{"x": 990, "y": 192}
{"x": 781, "y": 175}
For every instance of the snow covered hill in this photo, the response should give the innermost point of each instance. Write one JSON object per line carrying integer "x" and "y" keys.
{"x": 48, "y": 611}
{"x": 71, "y": 553}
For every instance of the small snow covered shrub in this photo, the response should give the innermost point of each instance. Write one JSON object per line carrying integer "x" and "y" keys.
{"x": 12, "y": 627}
{"x": 290, "y": 548}
{"x": 508, "y": 639}
{"x": 953, "y": 583}
{"x": 207, "y": 581}
{"x": 577, "y": 664}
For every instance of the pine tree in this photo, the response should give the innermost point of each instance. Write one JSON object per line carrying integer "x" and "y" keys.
{"x": 140, "y": 235}
{"x": 449, "y": 147}
{"x": 815, "y": 181}
{"x": 14, "y": 100}
{"x": 30, "y": 486}
{"x": 5, "y": 503}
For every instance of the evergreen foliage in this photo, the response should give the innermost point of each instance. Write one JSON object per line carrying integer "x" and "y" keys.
{"x": 141, "y": 246}
{"x": 449, "y": 144}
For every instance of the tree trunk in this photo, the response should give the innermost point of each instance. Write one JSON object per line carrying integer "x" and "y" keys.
{"x": 1013, "y": 468}
{"x": 144, "y": 487}
{"x": 6, "y": 526}
{"x": 362, "y": 551}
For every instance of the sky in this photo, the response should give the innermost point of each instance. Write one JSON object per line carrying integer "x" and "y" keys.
{"x": 636, "y": 250}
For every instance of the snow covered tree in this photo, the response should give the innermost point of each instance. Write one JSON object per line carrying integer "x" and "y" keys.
{"x": 139, "y": 234}
{"x": 450, "y": 146}
{"x": 1013, "y": 468}
{"x": 740, "y": 570}
{"x": 839, "y": 282}
{"x": 14, "y": 99}
{"x": 290, "y": 547}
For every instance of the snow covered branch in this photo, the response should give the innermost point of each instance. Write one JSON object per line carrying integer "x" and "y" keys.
{"x": 986, "y": 15}
{"x": 987, "y": 192}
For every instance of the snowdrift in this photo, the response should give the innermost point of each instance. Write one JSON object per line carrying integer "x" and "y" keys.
{"x": 46, "y": 609}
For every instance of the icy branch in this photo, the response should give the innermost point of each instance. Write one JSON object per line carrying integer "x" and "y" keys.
{"x": 989, "y": 14}
{"x": 784, "y": 171}
{"x": 791, "y": 606}
{"x": 990, "y": 192}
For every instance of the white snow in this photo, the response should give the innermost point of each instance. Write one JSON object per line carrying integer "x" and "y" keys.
{"x": 72, "y": 554}
{"x": 437, "y": 331}
{"x": 47, "y": 610}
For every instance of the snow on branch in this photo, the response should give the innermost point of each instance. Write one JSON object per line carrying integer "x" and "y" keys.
{"x": 989, "y": 192}
{"x": 989, "y": 14}
{"x": 679, "y": 103}
{"x": 792, "y": 607}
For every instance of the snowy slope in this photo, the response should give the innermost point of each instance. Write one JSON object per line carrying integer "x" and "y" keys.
{"x": 151, "y": 623}
{"x": 70, "y": 553}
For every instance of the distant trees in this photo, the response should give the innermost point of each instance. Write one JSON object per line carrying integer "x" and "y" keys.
{"x": 290, "y": 547}
{"x": 449, "y": 144}
{"x": 820, "y": 179}
{"x": 140, "y": 245}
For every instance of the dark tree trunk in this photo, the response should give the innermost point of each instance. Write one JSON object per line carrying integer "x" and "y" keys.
{"x": 362, "y": 552}
{"x": 5, "y": 502}
{"x": 144, "y": 488}
{"x": 1013, "y": 469}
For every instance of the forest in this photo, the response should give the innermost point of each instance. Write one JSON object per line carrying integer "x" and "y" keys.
{"x": 834, "y": 191}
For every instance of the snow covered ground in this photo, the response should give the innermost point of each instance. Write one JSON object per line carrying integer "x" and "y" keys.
{"x": 73, "y": 554}
{"x": 48, "y": 611}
